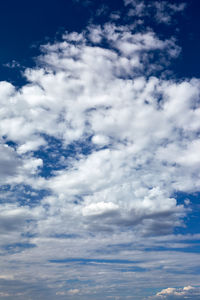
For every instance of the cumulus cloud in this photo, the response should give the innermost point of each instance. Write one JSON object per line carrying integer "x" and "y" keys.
{"x": 94, "y": 149}
{"x": 188, "y": 292}
{"x": 130, "y": 136}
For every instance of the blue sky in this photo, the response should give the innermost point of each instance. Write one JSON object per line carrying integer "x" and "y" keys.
{"x": 99, "y": 165}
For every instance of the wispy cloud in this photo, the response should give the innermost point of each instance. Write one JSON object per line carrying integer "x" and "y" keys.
{"x": 158, "y": 11}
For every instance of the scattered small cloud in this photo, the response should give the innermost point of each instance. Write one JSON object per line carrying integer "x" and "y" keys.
{"x": 159, "y": 12}
{"x": 73, "y": 292}
{"x": 13, "y": 64}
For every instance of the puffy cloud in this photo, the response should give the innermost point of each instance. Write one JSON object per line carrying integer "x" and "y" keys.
{"x": 125, "y": 133}
{"x": 94, "y": 148}
{"x": 188, "y": 292}
{"x": 99, "y": 208}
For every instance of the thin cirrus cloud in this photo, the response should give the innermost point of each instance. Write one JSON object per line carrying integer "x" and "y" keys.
{"x": 95, "y": 147}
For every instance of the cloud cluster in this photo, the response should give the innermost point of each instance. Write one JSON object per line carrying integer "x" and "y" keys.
{"x": 107, "y": 142}
{"x": 188, "y": 292}
{"x": 94, "y": 149}
{"x": 162, "y": 12}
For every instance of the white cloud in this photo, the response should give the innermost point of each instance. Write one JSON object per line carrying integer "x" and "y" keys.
{"x": 100, "y": 140}
{"x": 188, "y": 292}
{"x": 109, "y": 142}
{"x": 31, "y": 145}
{"x": 84, "y": 91}
{"x": 73, "y": 291}
{"x": 99, "y": 208}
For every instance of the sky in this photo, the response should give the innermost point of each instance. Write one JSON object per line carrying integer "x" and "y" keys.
{"x": 100, "y": 142}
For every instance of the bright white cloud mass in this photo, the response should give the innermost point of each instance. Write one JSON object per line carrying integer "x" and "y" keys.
{"x": 94, "y": 149}
{"x": 188, "y": 292}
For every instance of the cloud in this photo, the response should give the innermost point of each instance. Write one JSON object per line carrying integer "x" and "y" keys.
{"x": 2, "y": 294}
{"x": 123, "y": 166}
{"x": 162, "y": 12}
{"x": 9, "y": 161}
{"x": 69, "y": 292}
{"x": 73, "y": 291}
{"x": 95, "y": 148}
{"x": 188, "y": 292}
{"x": 99, "y": 208}
{"x": 6, "y": 277}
